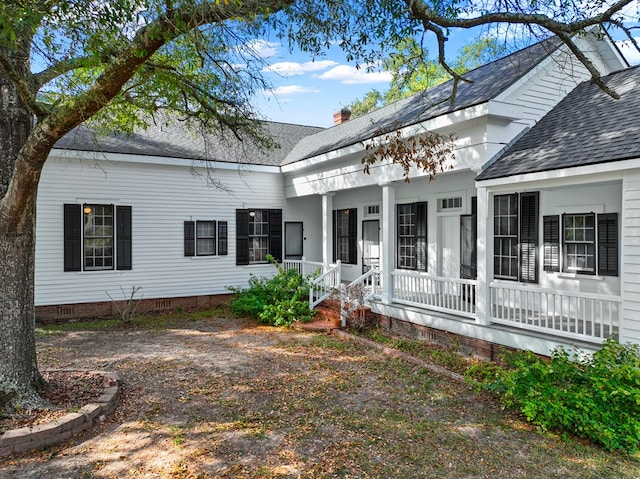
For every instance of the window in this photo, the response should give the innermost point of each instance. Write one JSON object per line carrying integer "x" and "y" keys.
{"x": 345, "y": 235}
{"x": 454, "y": 203}
{"x": 258, "y": 234}
{"x": 589, "y": 243}
{"x": 97, "y": 237}
{"x": 411, "y": 232}
{"x": 515, "y": 233}
{"x": 204, "y": 238}
{"x": 579, "y": 237}
{"x": 372, "y": 210}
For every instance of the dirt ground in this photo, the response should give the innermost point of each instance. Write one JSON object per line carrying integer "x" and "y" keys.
{"x": 224, "y": 398}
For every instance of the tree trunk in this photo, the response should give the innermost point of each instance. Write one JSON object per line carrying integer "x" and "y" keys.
{"x": 20, "y": 380}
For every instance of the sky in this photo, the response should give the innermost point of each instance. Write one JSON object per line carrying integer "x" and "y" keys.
{"x": 309, "y": 91}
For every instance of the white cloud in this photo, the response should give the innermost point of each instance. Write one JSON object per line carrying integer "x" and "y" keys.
{"x": 289, "y": 90}
{"x": 348, "y": 75}
{"x": 263, "y": 49}
{"x": 288, "y": 69}
{"x": 629, "y": 51}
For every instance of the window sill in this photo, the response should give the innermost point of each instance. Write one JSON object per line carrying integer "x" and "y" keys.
{"x": 563, "y": 274}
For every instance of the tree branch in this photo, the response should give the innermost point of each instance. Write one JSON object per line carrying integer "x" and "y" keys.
{"x": 22, "y": 86}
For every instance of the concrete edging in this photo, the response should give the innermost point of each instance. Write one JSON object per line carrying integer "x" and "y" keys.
{"x": 54, "y": 432}
{"x": 399, "y": 354}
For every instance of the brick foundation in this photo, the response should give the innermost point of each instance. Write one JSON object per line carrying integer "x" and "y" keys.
{"x": 67, "y": 312}
{"x": 466, "y": 345}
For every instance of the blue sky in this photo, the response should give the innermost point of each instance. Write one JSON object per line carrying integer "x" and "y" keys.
{"x": 308, "y": 91}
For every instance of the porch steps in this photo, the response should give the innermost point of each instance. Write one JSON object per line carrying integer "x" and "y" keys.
{"x": 326, "y": 319}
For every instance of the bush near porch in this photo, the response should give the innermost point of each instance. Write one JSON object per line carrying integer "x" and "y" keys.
{"x": 278, "y": 301}
{"x": 594, "y": 397}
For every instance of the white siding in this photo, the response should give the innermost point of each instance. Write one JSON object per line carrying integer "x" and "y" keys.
{"x": 162, "y": 197}
{"x": 630, "y": 328}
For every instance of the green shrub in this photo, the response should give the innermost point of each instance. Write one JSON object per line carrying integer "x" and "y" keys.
{"x": 277, "y": 301}
{"x": 594, "y": 397}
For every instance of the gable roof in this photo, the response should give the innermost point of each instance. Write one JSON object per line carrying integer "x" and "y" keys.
{"x": 172, "y": 139}
{"x": 587, "y": 127}
{"x": 488, "y": 81}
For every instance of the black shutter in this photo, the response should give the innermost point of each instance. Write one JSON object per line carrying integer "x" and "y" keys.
{"x": 353, "y": 236}
{"x": 72, "y": 237}
{"x": 608, "y": 244}
{"x": 242, "y": 236}
{"x": 551, "y": 242}
{"x": 123, "y": 237}
{"x": 468, "y": 243}
{"x": 275, "y": 234}
{"x": 189, "y": 238}
{"x": 528, "y": 237}
{"x": 223, "y": 244}
{"x": 421, "y": 235}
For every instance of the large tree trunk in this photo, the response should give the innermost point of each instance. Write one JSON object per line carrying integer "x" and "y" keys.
{"x": 20, "y": 381}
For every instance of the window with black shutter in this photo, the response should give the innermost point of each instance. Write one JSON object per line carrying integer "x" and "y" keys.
{"x": 97, "y": 237}
{"x": 258, "y": 234}
{"x": 205, "y": 238}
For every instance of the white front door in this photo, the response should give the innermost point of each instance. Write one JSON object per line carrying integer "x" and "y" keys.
{"x": 449, "y": 246}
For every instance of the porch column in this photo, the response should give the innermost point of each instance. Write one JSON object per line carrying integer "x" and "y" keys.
{"x": 388, "y": 247}
{"x": 327, "y": 229}
{"x": 484, "y": 255}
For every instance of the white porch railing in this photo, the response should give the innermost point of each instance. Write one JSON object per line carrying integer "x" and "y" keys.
{"x": 303, "y": 267}
{"x": 322, "y": 285}
{"x": 568, "y": 314}
{"x": 449, "y": 295}
{"x": 371, "y": 282}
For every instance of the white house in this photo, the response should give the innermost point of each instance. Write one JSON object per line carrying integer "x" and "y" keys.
{"x": 150, "y": 221}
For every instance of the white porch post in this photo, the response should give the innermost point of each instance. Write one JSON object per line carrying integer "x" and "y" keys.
{"x": 387, "y": 250}
{"x": 327, "y": 229}
{"x": 484, "y": 254}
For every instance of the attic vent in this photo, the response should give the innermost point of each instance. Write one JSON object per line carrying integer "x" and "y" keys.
{"x": 372, "y": 210}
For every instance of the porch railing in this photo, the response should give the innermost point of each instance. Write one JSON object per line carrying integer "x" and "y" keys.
{"x": 449, "y": 295}
{"x": 303, "y": 267}
{"x": 581, "y": 316}
{"x": 322, "y": 286}
{"x": 371, "y": 283}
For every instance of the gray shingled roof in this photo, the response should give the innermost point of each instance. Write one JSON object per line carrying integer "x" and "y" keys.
{"x": 488, "y": 81}
{"x": 175, "y": 141}
{"x": 587, "y": 127}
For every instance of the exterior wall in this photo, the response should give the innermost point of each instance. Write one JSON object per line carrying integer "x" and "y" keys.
{"x": 630, "y": 330}
{"x": 162, "y": 196}
{"x": 308, "y": 210}
{"x": 567, "y": 198}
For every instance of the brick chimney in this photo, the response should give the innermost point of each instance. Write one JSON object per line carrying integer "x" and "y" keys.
{"x": 341, "y": 116}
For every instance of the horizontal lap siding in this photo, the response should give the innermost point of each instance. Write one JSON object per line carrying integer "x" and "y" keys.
{"x": 162, "y": 198}
{"x": 548, "y": 86}
{"x": 631, "y": 258}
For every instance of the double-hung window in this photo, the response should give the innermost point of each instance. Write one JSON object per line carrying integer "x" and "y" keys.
{"x": 258, "y": 234}
{"x": 584, "y": 243}
{"x": 97, "y": 237}
{"x": 345, "y": 235}
{"x": 411, "y": 236}
{"x": 515, "y": 236}
{"x": 205, "y": 238}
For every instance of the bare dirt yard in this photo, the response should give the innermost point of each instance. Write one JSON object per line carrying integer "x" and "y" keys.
{"x": 209, "y": 397}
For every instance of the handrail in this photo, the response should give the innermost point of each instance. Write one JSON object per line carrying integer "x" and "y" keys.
{"x": 323, "y": 284}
